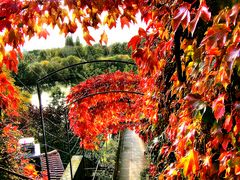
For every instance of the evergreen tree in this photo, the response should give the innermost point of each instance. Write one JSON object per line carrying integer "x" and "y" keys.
{"x": 77, "y": 43}
{"x": 69, "y": 41}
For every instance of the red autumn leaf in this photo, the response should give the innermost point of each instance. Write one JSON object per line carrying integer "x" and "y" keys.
{"x": 215, "y": 36}
{"x": 233, "y": 52}
{"x": 134, "y": 42}
{"x": 104, "y": 38}
{"x": 142, "y": 32}
{"x": 181, "y": 16}
{"x": 227, "y": 16}
{"x": 181, "y": 146}
{"x": 201, "y": 12}
{"x": 44, "y": 33}
{"x": 7, "y": 129}
{"x": 207, "y": 162}
{"x": 189, "y": 163}
{"x": 218, "y": 107}
{"x": 30, "y": 171}
{"x": 225, "y": 143}
{"x": 124, "y": 21}
{"x": 87, "y": 37}
{"x": 222, "y": 77}
{"x": 171, "y": 133}
{"x": 228, "y": 123}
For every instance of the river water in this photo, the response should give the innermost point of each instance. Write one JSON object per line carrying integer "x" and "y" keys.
{"x": 46, "y": 96}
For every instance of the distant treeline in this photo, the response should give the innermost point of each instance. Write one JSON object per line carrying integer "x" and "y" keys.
{"x": 39, "y": 63}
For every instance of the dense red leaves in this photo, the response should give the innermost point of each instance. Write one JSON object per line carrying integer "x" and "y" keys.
{"x": 232, "y": 53}
{"x": 209, "y": 90}
{"x": 9, "y": 100}
{"x": 93, "y": 117}
{"x": 216, "y": 36}
{"x": 229, "y": 163}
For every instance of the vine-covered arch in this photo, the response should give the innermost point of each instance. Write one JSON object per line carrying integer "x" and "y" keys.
{"x": 103, "y": 105}
{"x": 80, "y": 98}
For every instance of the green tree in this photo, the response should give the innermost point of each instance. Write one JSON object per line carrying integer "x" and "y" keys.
{"x": 77, "y": 43}
{"x": 69, "y": 41}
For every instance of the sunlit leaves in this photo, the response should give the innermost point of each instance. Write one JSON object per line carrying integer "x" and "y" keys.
{"x": 181, "y": 16}
{"x": 124, "y": 21}
{"x": 10, "y": 147}
{"x": 44, "y": 33}
{"x": 222, "y": 77}
{"x": 237, "y": 126}
{"x": 202, "y": 12}
{"x": 237, "y": 169}
{"x": 30, "y": 171}
{"x": 134, "y": 42}
{"x": 10, "y": 60}
{"x": 110, "y": 20}
{"x": 190, "y": 163}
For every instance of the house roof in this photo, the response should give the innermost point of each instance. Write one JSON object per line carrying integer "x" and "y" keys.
{"x": 55, "y": 164}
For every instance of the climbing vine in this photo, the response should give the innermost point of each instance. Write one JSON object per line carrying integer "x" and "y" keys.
{"x": 104, "y": 105}
{"x": 188, "y": 66}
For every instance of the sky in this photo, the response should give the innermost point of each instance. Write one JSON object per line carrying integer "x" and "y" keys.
{"x": 57, "y": 40}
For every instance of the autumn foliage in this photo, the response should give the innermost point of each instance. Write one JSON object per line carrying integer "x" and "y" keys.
{"x": 188, "y": 65}
{"x": 104, "y": 105}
